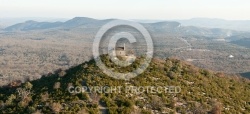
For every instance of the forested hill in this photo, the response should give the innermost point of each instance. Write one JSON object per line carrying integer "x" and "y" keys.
{"x": 200, "y": 91}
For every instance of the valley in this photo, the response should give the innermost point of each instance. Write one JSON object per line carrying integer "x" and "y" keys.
{"x": 32, "y": 49}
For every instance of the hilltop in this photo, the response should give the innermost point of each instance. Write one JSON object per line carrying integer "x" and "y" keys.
{"x": 202, "y": 91}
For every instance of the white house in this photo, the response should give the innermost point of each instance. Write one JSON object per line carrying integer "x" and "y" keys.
{"x": 230, "y": 56}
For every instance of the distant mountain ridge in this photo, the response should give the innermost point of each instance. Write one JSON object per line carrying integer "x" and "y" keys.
{"x": 5, "y": 22}
{"x": 33, "y": 25}
{"x": 75, "y": 22}
{"x": 78, "y": 21}
{"x": 92, "y": 25}
{"x": 239, "y": 25}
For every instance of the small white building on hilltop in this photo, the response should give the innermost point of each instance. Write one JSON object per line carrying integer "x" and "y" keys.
{"x": 120, "y": 51}
{"x": 230, "y": 56}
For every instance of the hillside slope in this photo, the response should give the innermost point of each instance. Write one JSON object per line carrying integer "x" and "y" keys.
{"x": 201, "y": 91}
{"x": 240, "y": 25}
{"x": 242, "y": 42}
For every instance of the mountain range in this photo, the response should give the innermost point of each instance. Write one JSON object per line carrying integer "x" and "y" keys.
{"x": 171, "y": 38}
{"x": 5, "y": 22}
{"x": 72, "y": 23}
{"x": 172, "y": 27}
{"x": 239, "y": 25}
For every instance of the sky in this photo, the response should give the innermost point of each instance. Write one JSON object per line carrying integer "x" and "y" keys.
{"x": 127, "y": 9}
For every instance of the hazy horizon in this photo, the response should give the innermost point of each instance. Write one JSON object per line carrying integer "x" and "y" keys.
{"x": 148, "y": 9}
{"x": 68, "y": 18}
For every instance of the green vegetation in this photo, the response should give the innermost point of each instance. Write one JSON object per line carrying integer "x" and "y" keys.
{"x": 202, "y": 91}
{"x": 46, "y": 47}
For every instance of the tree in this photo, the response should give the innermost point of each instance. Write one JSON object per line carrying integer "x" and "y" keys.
{"x": 94, "y": 98}
{"x": 28, "y": 85}
{"x": 82, "y": 111}
{"x": 57, "y": 85}
{"x": 2, "y": 105}
{"x": 44, "y": 97}
{"x": 37, "y": 112}
{"x": 171, "y": 75}
{"x": 10, "y": 99}
{"x": 216, "y": 107}
{"x": 23, "y": 93}
{"x": 156, "y": 102}
{"x": 56, "y": 107}
{"x": 62, "y": 73}
{"x": 24, "y": 96}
